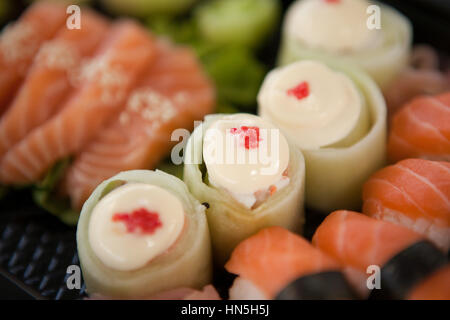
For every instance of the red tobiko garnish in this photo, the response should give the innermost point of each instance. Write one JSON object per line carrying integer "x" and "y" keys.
{"x": 332, "y": 1}
{"x": 249, "y": 134}
{"x": 300, "y": 91}
{"x": 139, "y": 220}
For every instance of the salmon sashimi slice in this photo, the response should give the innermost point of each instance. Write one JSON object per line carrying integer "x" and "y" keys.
{"x": 20, "y": 41}
{"x": 51, "y": 78}
{"x": 106, "y": 81}
{"x": 174, "y": 93}
{"x": 270, "y": 259}
{"x": 360, "y": 241}
{"x": 363, "y": 244}
{"x": 421, "y": 130}
{"x": 357, "y": 242}
{"x": 436, "y": 287}
{"x": 414, "y": 193}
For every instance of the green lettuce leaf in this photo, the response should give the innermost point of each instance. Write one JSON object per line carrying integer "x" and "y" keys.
{"x": 224, "y": 107}
{"x": 146, "y": 8}
{"x": 168, "y": 167}
{"x": 46, "y": 196}
{"x": 237, "y": 74}
{"x": 182, "y": 31}
{"x": 234, "y": 69}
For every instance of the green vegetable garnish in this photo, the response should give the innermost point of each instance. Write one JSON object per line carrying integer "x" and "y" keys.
{"x": 238, "y": 22}
{"x": 223, "y": 107}
{"x": 237, "y": 74}
{"x": 145, "y": 8}
{"x": 45, "y": 195}
{"x": 168, "y": 167}
{"x": 178, "y": 30}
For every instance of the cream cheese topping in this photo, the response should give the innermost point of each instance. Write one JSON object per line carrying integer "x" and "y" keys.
{"x": 116, "y": 228}
{"x": 336, "y": 26}
{"x": 314, "y": 105}
{"x": 244, "y": 154}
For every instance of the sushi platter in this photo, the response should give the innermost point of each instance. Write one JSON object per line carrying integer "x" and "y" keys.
{"x": 225, "y": 150}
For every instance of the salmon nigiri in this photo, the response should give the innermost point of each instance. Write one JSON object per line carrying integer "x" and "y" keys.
{"x": 414, "y": 193}
{"x": 50, "y": 79}
{"x": 269, "y": 260}
{"x": 435, "y": 287}
{"x": 173, "y": 94}
{"x": 421, "y": 130}
{"x": 360, "y": 242}
{"x": 20, "y": 41}
{"x": 107, "y": 81}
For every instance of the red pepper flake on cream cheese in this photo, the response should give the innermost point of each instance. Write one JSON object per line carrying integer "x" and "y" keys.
{"x": 250, "y": 135}
{"x": 140, "y": 220}
{"x": 300, "y": 91}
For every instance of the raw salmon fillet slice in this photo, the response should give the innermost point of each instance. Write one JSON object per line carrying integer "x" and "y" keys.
{"x": 274, "y": 257}
{"x": 51, "y": 79}
{"x": 436, "y": 287}
{"x": 359, "y": 241}
{"x": 20, "y": 41}
{"x": 421, "y": 130}
{"x": 174, "y": 93}
{"x": 106, "y": 81}
{"x": 414, "y": 193}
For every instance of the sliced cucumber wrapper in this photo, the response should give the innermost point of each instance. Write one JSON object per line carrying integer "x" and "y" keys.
{"x": 382, "y": 63}
{"x": 187, "y": 264}
{"x": 335, "y": 175}
{"x": 238, "y": 22}
{"x": 229, "y": 221}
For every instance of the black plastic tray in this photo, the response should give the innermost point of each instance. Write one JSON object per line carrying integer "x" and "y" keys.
{"x": 36, "y": 249}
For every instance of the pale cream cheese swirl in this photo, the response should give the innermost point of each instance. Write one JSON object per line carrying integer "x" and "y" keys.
{"x": 245, "y": 154}
{"x": 337, "y": 26}
{"x": 115, "y": 245}
{"x": 329, "y": 111}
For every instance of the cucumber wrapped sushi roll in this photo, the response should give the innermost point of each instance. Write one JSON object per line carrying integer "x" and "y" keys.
{"x": 248, "y": 176}
{"x": 348, "y": 30}
{"x": 142, "y": 233}
{"x": 337, "y": 116}
{"x": 237, "y": 22}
